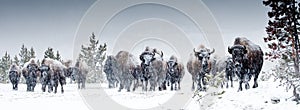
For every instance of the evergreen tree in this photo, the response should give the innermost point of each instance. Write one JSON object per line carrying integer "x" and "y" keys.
{"x": 283, "y": 29}
{"x": 5, "y": 64}
{"x": 58, "y": 57}
{"x": 49, "y": 53}
{"x": 23, "y": 55}
{"x": 93, "y": 54}
{"x": 31, "y": 53}
{"x": 16, "y": 60}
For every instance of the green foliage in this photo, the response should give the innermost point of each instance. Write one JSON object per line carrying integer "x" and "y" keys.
{"x": 49, "y": 53}
{"x": 23, "y": 55}
{"x": 93, "y": 54}
{"x": 5, "y": 63}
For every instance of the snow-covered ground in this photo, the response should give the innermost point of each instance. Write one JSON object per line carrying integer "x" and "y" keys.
{"x": 92, "y": 97}
{"x": 38, "y": 100}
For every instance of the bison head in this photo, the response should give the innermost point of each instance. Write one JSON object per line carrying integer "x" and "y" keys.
{"x": 238, "y": 52}
{"x": 171, "y": 64}
{"x": 203, "y": 56}
{"x": 147, "y": 58}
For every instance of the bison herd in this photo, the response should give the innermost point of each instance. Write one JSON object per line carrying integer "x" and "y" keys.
{"x": 50, "y": 73}
{"x": 153, "y": 72}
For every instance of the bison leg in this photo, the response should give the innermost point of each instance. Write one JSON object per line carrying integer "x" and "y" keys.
{"x": 121, "y": 86}
{"x": 179, "y": 85}
{"x": 240, "y": 86}
{"x": 62, "y": 88}
{"x": 255, "y": 85}
{"x": 43, "y": 87}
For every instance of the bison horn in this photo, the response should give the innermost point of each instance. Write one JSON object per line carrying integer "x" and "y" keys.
{"x": 229, "y": 49}
{"x": 162, "y": 54}
{"x": 212, "y": 51}
{"x": 195, "y": 50}
{"x": 245, "y": 50}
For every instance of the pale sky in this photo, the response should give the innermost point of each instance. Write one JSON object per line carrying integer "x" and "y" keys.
{"x": 53, "y": 23}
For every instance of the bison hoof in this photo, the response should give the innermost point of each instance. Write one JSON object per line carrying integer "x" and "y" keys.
{"x": 247, "y": 86}
{"x": 255, "y": 85}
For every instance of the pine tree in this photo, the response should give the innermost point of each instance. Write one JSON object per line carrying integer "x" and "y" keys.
{"x": 5, "y": 64}
{"x": 93, "y": 56}
{"x": 58, "y": 57}
{"x": 23, "y": 55}
{"x": 16, "y": 60}
{"x": 283, "y": 29}
{"x": 31, "y": 53}
{"x": 49, "y": 53}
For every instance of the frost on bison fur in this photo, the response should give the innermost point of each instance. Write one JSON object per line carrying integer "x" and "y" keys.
{"x": 160, "y": 69}
{"x": 57, "y": 73}
{"x": 14, "y": 76}
{"x": 111, "y": 69}
{"x": 81, "y": 74}
{"x": 248, "y": 61}
{"x": 125, "y": 61}
{"x": 29, "y": 72}
{"x": 199, "y": 65}
{"x": 175, "y": 72}
{"x": 193, "y": 66}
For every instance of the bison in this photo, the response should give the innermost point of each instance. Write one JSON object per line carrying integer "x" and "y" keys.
{"x": 57, "y": 74}
{"x": 199, "y": 65}
{"x": 175, "y": 72}
{"x": 125, "y": 62}
{"x": 111, "y": 69}
{"x": 248, "y": 60}
{"x": 153, "y": 69}
{"x": 29, "y": 72}
{"x": 14, "y": 76}
{"x": 78, "y": 73}
{"x": 45, "y": 76}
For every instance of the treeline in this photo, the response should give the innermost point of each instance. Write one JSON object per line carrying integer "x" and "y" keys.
{"x": 93, "y": 54}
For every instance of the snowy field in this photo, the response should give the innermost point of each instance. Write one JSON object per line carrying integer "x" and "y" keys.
{"x": 93, "y": 98}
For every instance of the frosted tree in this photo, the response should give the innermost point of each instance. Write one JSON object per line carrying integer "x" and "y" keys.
{"x": 31, "y": 53}
{"x": 283, "y": 29}
{"x": 49, "y": 53}
{"x": 23, "y": 55}
{"x": 16, "y": 60}
{"x": 57, "y": 56}
{"x": 93, "y": 54}
{"x": 5, "y": 63}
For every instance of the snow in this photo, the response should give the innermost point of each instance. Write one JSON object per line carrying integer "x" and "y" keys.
{"x": 251, "y": 99}
{"x": 38, "y": 100}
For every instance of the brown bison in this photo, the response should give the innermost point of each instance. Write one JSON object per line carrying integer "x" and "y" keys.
{"x": 111, "y": 69}
{"x": 175, "y": 72}
{"x": 153, "y": 69}
{"x": 30, "y": 74}
{"x": 248, "y": 60}
{"x": 57, "y": 73}
{"x": 14, "y": 76}
{"x": 125, "y": 61}
{"x": 199, "y": 65}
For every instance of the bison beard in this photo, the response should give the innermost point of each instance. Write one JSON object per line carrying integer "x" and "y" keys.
{"x": 248, "y": 61}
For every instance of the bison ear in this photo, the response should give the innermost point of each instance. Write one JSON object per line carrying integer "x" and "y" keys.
{"x": 230, "y": 50}
{"x": 245, "y": 50}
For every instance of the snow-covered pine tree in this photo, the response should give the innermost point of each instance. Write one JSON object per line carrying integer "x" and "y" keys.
{"x": 16, "y": 60}
{"x": 6, "y": 61}
{"x": 57, "y": 56}
{"x": 23, "y": 55}
{"x": 49, "y": 53}
{"x": 92, "y": 56}
{"x": 283, "y": 29}
{"x": 31, "y": 53}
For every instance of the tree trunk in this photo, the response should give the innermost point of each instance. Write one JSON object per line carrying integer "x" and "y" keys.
{"x": 296, "y": 44}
